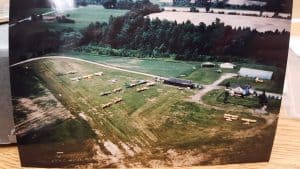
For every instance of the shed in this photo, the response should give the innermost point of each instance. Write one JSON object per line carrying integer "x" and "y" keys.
{"x": 179, "y": 82}
{"x": 262, "y": 74}
{"x": 208, "y": 64}
{"x": 227, "y": 65}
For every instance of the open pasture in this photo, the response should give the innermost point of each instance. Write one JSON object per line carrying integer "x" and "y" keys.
{"x": 83, "y": 16}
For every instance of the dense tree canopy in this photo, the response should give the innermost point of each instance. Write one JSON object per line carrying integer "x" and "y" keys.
{"x": 188, "y": 41}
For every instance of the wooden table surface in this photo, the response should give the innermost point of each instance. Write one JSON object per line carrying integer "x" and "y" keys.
{"x": 285, "y": 153}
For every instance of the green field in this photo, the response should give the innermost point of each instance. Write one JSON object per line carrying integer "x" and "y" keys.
{"x": 160, "y": 67}
{"x": 83, "y": 16}
{"x": 156, "y": 120}
{"x": 207, "y": 75}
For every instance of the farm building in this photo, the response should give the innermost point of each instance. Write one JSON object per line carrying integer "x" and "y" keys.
{"x": 227, "y": 65}
{"x": 179, "y": 82}
{"x": 208, "y": 64}
{"x": 262, "y": 74}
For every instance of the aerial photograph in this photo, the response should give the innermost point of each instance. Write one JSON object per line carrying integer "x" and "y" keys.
{"x": 147, "y": 83}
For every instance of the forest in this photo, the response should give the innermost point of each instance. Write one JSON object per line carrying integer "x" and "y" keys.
{"x": 161, "y": 38}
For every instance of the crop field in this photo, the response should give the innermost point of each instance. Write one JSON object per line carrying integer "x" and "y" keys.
{"x": 83, "y": 16}
{"x": 155, "y": 127}
{"x": 261, "y": 24}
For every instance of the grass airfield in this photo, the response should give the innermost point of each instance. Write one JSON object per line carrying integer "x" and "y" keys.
{"x": 155, "y": 127}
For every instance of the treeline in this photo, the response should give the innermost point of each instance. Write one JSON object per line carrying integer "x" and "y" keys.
{"x": 187, "y": 41}
{"x": 131, "y": 5}
{"x": 31, "y": 39}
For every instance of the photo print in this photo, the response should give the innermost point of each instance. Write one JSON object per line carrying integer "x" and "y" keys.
{"x": 147, "y": 83}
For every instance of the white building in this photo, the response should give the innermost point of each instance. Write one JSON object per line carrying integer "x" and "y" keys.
{"x": 227, "y": 65}
{"x": 262, "y": 74}
{"x": 208, "y": 64}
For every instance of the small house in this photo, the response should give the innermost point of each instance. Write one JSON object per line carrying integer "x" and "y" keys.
{"x": 255, "y": 73}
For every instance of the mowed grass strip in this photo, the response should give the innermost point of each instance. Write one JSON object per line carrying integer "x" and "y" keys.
{"x": 155, "y": 66}
{"x": 204, "y": 75}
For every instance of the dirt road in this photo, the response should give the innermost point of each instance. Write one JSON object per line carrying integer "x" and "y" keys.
{"x": 207, "y": 88}
{"x": 269, "y": 119}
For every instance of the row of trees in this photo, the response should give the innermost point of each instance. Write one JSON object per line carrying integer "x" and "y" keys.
{"x": 188, "y": 41}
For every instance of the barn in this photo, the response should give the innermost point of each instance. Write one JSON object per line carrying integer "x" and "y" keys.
{"x": 249, "y": 72}
{"x": 179, "y": 82}
{"x": 227, "y": 65}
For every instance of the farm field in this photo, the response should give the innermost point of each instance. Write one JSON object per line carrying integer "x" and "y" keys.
{"x": 226, "y": 11}
{"x": 162, "y": 2}
{"x": 83, "y": 16}
{"x": 261, "y": 24}
{"x": 152, "y": 128}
